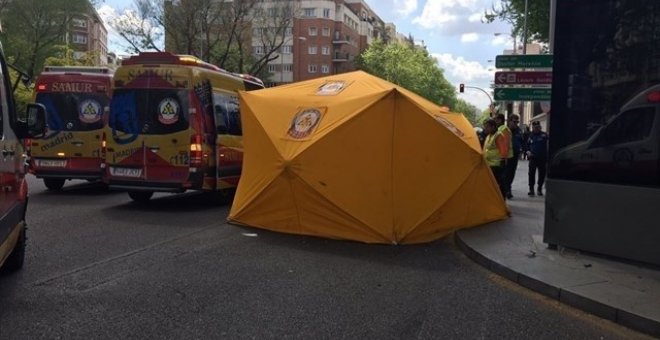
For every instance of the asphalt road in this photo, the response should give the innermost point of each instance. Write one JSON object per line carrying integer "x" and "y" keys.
{"x": 101, "y": 267}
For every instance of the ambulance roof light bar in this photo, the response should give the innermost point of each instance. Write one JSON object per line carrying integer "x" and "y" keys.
{"x": 79, "y": 69}
{"x": 168, "y": 58}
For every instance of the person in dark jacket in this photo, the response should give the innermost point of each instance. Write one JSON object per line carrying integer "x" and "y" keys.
{"x": 516, "y": 146}
{"x": 525, "y": 140}
{"x": 538, "y": 158}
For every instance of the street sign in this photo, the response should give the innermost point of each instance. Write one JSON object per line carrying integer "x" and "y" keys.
{"x": 523, "y": 94}
{"x": 523, "y": 78}
{"x": 524, "y": 61}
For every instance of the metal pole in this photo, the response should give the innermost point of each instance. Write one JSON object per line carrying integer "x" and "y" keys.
{"x": 551, "y": 35}
{"x": 482, "y": 90}
{"x": 525, "y": 31}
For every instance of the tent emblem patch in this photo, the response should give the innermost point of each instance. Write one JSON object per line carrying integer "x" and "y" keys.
{"x": 168, "y": 111}
{"x": 449, "y": 125}
{"x": 304, "y": 123}
{"x": 331, "y": 88}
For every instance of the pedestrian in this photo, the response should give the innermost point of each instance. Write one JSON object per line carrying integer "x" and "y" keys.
{"x": 516, "y": 147}
{"x": 495, "y": 152}
{"x": 525, "y": 140}
{"x": 538, "y": 158}
{"x": 503, "y": 129}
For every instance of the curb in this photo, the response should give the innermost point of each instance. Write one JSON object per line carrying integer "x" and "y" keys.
{"x": 597, "y": 308}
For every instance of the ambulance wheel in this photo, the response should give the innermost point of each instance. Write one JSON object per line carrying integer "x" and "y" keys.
{"x": 16, "y": 259}
{"x": 54, "y": 184}
{"x": 140, "y": 196}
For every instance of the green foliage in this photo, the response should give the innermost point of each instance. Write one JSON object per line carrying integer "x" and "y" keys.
{"x": 64, "y": 56}
{"x": 513, "y": 11}
{"x": 33, "y": 28}
{"x": 410, "y": 67}
{"x": 23, "y": 89}
{"x": 470, "y": 111}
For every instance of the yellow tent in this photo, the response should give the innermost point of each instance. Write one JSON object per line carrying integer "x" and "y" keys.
{"x": 352, "y": 156}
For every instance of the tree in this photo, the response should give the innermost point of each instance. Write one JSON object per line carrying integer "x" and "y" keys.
{"x": 33, "y": 28}
{"x": 513, "y": 12}
{"x": 470, "y": 111}
{"x": 64, "y": 56}
{"x": 410, "y": 67}
{"x": 219, "y": 32}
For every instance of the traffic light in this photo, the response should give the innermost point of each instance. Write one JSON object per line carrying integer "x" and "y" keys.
{"x": 461, "y": 88}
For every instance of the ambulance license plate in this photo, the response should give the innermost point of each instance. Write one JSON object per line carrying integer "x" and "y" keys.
{"x": 126, "y": 172}
{"x": 51, "y": 163}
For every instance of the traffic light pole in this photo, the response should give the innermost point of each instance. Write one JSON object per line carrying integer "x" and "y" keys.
{"x": 492, "y": 104}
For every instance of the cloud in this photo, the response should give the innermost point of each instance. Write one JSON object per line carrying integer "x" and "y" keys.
{"x": 405, "y": 7}
{"x": 471, "y": 73}
{"x": 469, "y": 37}
{"x": 455, "y": 17}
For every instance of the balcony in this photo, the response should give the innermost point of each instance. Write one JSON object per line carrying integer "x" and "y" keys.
{"x": 340, "y": 57}
{"x": 338, "y": 39}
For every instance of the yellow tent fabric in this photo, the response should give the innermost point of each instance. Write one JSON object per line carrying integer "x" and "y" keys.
{"x": 352, "y": 156}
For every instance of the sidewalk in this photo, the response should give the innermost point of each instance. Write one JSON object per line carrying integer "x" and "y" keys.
{"x": 624, "y": 292}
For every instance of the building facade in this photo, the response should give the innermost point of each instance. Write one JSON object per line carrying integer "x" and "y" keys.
{"x": 87, "y": 34}
{"x": 324, "y": 38}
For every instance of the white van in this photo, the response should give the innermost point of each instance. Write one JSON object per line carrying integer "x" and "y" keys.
{"x": 627, "y": 146}
{"x": 13, "y": 186}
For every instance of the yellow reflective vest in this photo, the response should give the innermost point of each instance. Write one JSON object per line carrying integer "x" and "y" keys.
{"x": 491, "y": 153}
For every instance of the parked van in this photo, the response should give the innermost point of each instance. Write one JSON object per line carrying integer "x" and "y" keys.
{"x": 626, "y": 148}
{"x": 13, "y": 186}
{"x": 174, "y": 125}
{"x": 75, "y": 98}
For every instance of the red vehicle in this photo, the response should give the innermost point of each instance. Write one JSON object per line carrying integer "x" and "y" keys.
{"x": 76, "y": 100}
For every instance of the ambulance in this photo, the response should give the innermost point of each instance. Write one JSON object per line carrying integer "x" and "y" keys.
{"x": 174, "y": 125}
{"x": 13, "y": 185}
{"x": 76, "y": 99}
{"x": 626, "y": 147}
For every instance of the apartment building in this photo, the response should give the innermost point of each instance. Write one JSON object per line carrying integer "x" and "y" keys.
{"x": 324, "y": 38}
{"x": 87, "y": 34}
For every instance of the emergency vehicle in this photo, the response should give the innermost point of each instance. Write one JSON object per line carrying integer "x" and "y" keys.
{"x": 626, "y": 147}
{"x": 174, "y": 125}
{"x": 76, "y": 99}
{"x": 13, "y": 185}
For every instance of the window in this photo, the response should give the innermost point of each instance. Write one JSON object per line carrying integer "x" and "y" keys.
{"x": 287, "y": 68}
{"x": 309, "y": 12}
{"x": 272, "y": 12}
{"x": 631, "y": 126}
{"x": 272, "y": 68}
{"x": 311, "y": 50}
{"x": 313, "y": 31}
{"x": 311, "y": 68}
{"x": 227, "y": 115}
{"x": 79, "y": 38}
{"x": 288, "y": 31}
{"x": 326, "y": 31}
{"x": 326, "y": 12}
{"x": 258, "y": 49}
{"x": 325, "y": 50}
{"x": 79, "y": 23}
{"x": 325, "y": 69}
{"x": 286, "y": 49}
{"x": 138, "y": 111}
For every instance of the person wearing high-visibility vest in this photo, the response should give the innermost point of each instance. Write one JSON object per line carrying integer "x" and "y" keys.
{"x": 496, "y": 151}
{"x": 504, "y": 130}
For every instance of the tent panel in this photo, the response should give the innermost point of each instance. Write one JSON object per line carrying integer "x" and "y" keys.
{"x": 430, "y": 164}
{"x": 352, "y": 165}
{"x": 464, "y": 209}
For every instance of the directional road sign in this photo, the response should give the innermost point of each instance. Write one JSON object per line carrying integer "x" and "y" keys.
{"x": 524, "y": 61}
{"x": 522, "y": 94}
{"x": 523, "y": 78}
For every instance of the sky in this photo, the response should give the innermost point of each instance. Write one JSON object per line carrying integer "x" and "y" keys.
{"x": 451, "y": 30}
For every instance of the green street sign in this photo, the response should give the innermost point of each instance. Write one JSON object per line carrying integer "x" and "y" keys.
{"x": 523, "y": 94}
{"x": 524, "y": 61}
